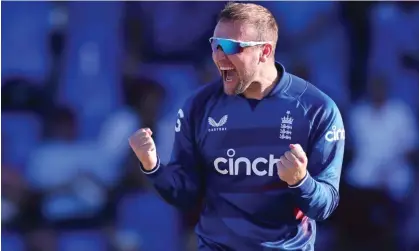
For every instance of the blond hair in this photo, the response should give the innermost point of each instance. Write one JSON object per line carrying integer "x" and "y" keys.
{"x": 253, "y": 14}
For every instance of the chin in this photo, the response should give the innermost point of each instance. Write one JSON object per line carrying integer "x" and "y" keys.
{"x": 229, "y": 91}
{"x": 234, "y": 88}
{"x": 230, "y": 88}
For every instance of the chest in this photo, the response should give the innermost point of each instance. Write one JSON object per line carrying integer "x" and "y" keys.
{"x": 242, "y": 140}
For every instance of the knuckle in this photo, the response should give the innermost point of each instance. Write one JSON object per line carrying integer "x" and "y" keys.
{"x": 147, "y": 142}
{"x": 142, "y": 131}
{"x": 141, "y": 141}
{"x": 138, "y": 134}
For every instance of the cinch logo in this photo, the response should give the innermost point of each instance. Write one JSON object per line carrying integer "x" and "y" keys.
{"x": 335, "y": 134}
{"x": 231, "y": 166}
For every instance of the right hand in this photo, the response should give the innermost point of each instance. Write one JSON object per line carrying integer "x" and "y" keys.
{"x": 144, "y": 147}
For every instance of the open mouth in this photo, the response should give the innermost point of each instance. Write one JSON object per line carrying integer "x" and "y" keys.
{"x": 228, "y": 73}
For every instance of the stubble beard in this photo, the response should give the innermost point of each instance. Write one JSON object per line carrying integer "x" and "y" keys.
{"x": 244, "y": 83}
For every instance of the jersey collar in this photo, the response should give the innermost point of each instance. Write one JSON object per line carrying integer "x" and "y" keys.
{"x": 283, "y": 81}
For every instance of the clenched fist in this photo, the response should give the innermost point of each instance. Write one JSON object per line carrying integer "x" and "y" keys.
{"x": 292, "y": 166}
{"x": 143, "y": 145}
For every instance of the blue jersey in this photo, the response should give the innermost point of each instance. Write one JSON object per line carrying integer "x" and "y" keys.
{"x": 226, "y": 149}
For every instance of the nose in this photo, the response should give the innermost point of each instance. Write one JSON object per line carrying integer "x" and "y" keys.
{"x": 219, "y": 54}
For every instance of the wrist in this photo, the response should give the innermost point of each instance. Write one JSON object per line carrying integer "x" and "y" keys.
{"x": 148, "y": 170}
{"x": 306, "y": 187}
{"x": 148, "y": 167}
{"x": 299, "y": 181}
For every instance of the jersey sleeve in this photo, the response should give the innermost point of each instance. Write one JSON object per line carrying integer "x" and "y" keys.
{"x": 317, "y": 194}
{"x": 179, "y": 182}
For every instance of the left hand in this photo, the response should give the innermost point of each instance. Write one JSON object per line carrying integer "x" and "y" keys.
{"x": 292, "y": 166}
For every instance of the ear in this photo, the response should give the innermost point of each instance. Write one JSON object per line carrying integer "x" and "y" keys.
{"x": 266, "y": 52}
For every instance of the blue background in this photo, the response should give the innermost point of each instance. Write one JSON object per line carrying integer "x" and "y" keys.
{"x": 79, "y": 77}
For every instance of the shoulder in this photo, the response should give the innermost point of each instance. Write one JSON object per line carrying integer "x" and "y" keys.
{"x": 202, "y": 96}
{"x": 316, "y": 104}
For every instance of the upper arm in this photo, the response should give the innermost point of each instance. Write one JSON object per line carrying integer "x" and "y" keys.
{"x": 184, "y": 154}
{"x": 328, "y": 142}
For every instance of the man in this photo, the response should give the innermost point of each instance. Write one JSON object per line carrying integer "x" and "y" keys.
{"x": 263, "y": 147}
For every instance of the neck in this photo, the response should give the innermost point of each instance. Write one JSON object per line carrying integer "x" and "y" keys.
{"x": 266, "y": 81}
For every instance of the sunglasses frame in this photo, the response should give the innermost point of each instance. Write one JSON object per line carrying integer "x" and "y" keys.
{"x": 242, "y": 44}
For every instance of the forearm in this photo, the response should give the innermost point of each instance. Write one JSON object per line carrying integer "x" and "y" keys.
{"x": 174, "y": 185}
{"x": 316, "y": 199}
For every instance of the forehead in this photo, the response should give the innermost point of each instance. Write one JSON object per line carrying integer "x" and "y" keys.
{"x": 235, "y": 30}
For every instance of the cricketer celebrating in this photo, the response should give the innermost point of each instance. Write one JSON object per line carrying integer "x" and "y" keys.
{"x": 263, "y": 147}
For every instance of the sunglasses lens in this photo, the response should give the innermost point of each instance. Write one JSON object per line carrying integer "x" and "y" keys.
{"x": 229, "y": 47}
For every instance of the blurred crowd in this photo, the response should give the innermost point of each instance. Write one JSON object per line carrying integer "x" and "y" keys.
{"x": 77, "y": 78}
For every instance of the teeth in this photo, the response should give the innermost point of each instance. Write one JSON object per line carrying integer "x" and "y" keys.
{"x": 226, "y": 68}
